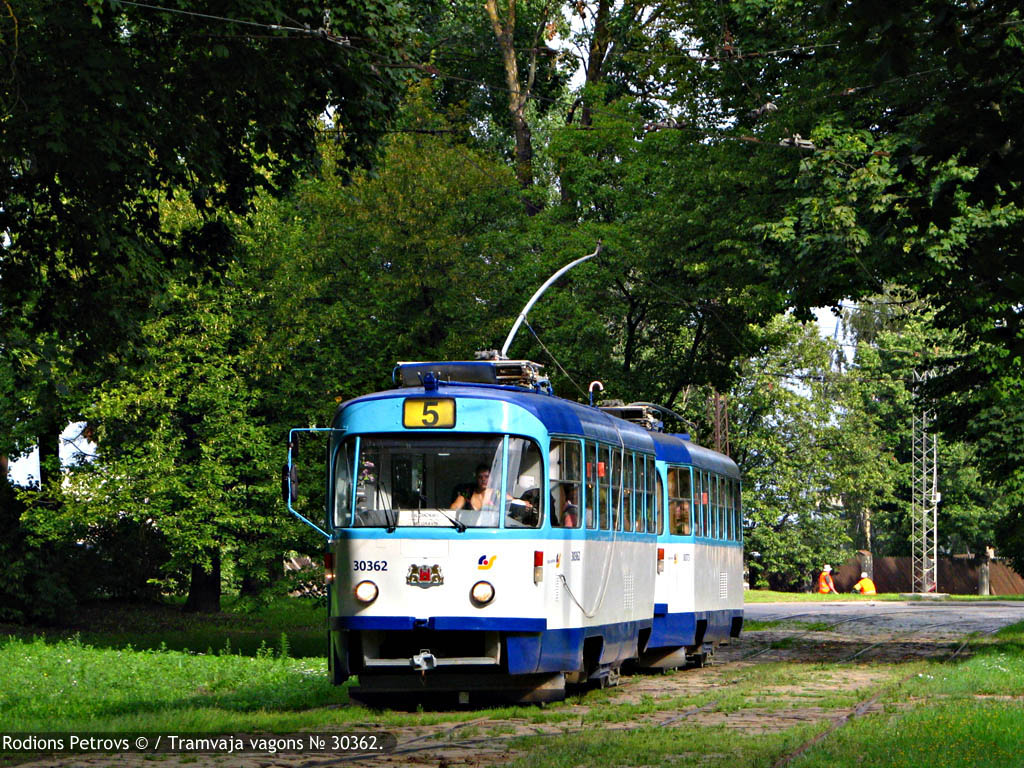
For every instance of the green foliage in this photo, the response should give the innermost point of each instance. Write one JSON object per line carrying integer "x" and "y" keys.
{"x": 788, "y": 434}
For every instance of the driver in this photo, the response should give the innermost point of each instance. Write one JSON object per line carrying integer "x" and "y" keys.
{"x": 479, "y": 494}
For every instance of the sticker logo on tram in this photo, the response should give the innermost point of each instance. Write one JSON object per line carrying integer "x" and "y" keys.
{"x": 485, "y": 563}
{"x": 558, "y": 561}
{"x": 424, "y": 575}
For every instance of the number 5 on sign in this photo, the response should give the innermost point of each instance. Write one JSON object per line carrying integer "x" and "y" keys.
{"x": 438, "y": 413}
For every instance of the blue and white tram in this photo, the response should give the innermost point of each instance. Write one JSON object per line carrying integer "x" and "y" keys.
{"x": 698, "y": 597}
{"x": 490, "y": 540}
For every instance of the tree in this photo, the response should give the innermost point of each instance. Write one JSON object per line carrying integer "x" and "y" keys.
{"x": 788, "y": 437}
{"x": 182, "y": 448}
{"x": 107, "y": 108}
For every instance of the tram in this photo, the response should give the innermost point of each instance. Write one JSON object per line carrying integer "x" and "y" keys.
{"x": 489, "y": 540}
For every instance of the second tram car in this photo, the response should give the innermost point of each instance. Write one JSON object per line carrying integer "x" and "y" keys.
{"x": 487, "y": 539}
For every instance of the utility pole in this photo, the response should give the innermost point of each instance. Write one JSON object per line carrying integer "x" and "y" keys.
{"x": 924, "y": 501}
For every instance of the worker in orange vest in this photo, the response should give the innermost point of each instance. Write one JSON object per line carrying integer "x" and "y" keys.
{"x": 865, "y": 586}
{"x": 825, "y": 584}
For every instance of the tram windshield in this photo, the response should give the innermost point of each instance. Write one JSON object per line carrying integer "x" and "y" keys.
{"x": 393, "y": 481}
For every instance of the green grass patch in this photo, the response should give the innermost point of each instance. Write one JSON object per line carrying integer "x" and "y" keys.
{"x": 655, "y": 746}
{"x": 753, "y": 625}
{"x": 951, "y": 734}
{"x": 241, "y": 625}
{"x": 71, "y": 686}
{"x": 770, "y": 596}
{"x": 968, "y": 713}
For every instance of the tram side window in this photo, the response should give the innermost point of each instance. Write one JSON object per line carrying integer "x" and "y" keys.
{"x": 736, "y": 510}
{"x": 734, "y": 529}
{"x": 698, "y": 519}
{"x": 727, "y": 509}
{"x": 615, "y": 478}
{"x": 627, "y": 488}
{"x": 639, "y": 525}
{"x": 565, "y": 489}
{"x": 591, "y": 489}
{"x": 526, "y": 507}
{"x": 649, "y": 507}
{"x": 705, "y": 507}
{"x": 679, "y": 501}
{"x": 716, "y": 485}
{"x": 659, "y": 491}
{"x": 343, "y": 484}
{"x": 604, "y": 469}
{"x": 719, "y": 507}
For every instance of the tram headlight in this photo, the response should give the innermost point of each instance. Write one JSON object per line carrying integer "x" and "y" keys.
{"x": 366, "y": 592}
{"x": 482, "y": 593}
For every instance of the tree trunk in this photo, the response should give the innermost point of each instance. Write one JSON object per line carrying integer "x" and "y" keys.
{"x": 984, "y": 583}
{"x": 204, "y": 587}
{"x": 49, "y": 439}
{"x": 518, "y": 93}
{"x": 259, "y": 576}
{"x": 599, "y": 45}
{"x": 5, "y": 467}
{"x": 865, "y": 524}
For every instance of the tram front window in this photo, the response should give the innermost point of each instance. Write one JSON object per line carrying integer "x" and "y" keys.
{"x": 424, "y": 481}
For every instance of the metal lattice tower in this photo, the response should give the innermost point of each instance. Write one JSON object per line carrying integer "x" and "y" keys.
{"x": 718, "y": 415}
{"x": 924, "y": 503}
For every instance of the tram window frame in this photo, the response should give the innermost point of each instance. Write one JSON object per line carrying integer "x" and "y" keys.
{"x": 716, "y": 517}
{"x": 560, "y": 471}
{"x": 639, "y": 523}
{"x": 719, "y": 509}
{"x": 678, "y": 492}
{"x": 615, "y": 487}
{"x": 628, "y": 483}
{"x": 349, "y": 448}
{"x": 604, "y": 493}
{"x": 513, "y": 476}
{"x": 706, "y": 501}
{"x": 738, "y": 509}
{"x": 727, "y": 507}
{"x": 650, "y": 510}
{"x": 733, "y": 528}
{"x": 684, "y": 489}
{"x": 659, "y": 492}
{"x": 590, "y": 494}
{"x": 698, "y": 505}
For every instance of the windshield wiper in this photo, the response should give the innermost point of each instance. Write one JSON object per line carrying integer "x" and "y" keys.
{"x": 458, "y": 524}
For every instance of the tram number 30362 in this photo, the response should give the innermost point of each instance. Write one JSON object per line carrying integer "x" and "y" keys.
{"x": 369, "y": 565}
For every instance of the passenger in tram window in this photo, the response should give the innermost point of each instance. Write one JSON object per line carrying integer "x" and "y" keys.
{"x": 570, "y": 510}
{"x": 680, "y": 517}
{"x": 480, "y": 494}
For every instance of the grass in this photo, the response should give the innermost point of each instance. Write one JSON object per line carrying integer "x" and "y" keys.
{"x": 152, "y": 626}
{"x": 654, "y": 746}
{"x": 949, "y": 715}
{"x": 755, "y": 625}
{"x": 966, "y": 713}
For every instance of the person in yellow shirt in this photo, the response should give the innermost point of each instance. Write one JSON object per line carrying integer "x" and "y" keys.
{"x": 865, "y": 586}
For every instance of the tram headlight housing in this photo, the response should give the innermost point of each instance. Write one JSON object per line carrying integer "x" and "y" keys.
{"x": 366, "y": 592}
{"x": 482, "y": 593}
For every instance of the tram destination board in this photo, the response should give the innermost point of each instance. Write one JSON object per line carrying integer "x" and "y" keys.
{"x": 428, "y": 413}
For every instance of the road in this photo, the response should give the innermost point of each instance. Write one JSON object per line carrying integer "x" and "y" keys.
{"x": 929, "y": 617}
